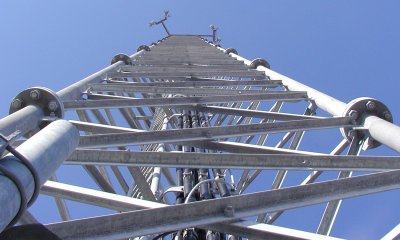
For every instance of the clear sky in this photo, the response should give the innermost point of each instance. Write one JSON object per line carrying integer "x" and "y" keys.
{"x": 347, "y": 49}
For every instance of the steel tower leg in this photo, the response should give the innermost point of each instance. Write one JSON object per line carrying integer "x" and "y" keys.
{"x": 46, "y": 151}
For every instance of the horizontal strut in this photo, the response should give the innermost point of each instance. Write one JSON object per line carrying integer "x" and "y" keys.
{"x": 206, "y": 133}
{"x": 239, "y": 161}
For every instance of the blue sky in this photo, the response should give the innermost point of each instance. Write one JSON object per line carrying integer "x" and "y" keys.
{"x": 347, "y": 49}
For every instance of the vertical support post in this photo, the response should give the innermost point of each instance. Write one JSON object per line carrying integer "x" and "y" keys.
{"x": 155, "y": 181}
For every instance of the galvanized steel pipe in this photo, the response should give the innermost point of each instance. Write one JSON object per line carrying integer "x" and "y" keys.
{"x": 21, "y": 122}
{"x": 379, "y": 129}
{"x": 74, "y": 91}
{"x": 46, "y": 150}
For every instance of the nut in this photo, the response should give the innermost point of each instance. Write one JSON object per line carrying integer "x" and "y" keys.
{"x": 16, "y": 103}
{"x": 229, "y": 211}
{"x": 35, "y": 94}
{"x": 52, "y": 106}
{"x": 388, "y": 116}
{"x": 370, "y": 105}
{"x": 354, "y": 113}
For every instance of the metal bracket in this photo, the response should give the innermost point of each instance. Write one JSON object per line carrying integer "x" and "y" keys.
{"x": 43, "y": 97}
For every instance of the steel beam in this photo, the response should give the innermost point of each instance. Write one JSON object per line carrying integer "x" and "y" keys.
{"x": 260, "y": 231}
{"x": 144, "y": 222}
{"x": 189, "y": 82}
{"x": 153, "y": 102}
{"x": 207, "y": 133}
{"x": 233, "y": 73}
{"x": 176, "y": 90}
{"x": 98, "y": 198}
{"x": 122, "y": 203}
{"x": 194, "y": 68}
{"x": 251, "y": 113}
{"x": 236, "y": 161}
{"x": 101, "y": 128}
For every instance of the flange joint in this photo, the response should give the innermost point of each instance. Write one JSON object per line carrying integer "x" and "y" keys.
{"x": 359, "y": 109}
{"x": 43, "y": 97}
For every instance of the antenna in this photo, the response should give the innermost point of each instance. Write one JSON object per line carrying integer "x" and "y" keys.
{"x": 214, "y": 29}
{"x": 166, "y": 16}
{"x": 214, "y": 34}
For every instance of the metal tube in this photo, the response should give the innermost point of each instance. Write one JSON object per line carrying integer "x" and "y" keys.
{"x": 393, "y": 234}
{"x": 106, "y": 101}
{"x": 383, "y": 132}
{"x": 155, "y": 182}
{"x": 222, "y": 210}
{"x": 189, "y": 82}
{"x": 21, "y": 122}
{"x": 175, "y": 90}
{"x": 375, "y": 125}
{"x": 28, "y": 118}
{"x": 206, "y": 133}
{"x": 75, "y": 90}
{"x": 46, "y": 150}
{"x": 122, "y": 203}
{"x": 323, "y": 101}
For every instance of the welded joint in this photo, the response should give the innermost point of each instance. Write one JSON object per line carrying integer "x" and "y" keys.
{"x": 43, "y": 97}
{"x": 359, "y": 109}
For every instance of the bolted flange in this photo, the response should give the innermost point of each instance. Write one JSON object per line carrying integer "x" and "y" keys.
{"x": 143, "y": 47}
{"x": 231, "y": 50}
{"x": 360, "y": 108}
{"x": 121, "y": 57}
{"x": 259, "y": 62}
{"x": 39, "y": 96}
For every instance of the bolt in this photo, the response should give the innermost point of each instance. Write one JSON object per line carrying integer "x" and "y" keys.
{"x": 352, "y": 134}
{"x": 388, "y": 116}
{"x": 370, "y": 105}
{"x": 16, "y": 103}
{"x": 229, "y": 211}
{"x": 35, "y": 94}
{"x": 52, "y": 106}
{"x": 354, "y": 114}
